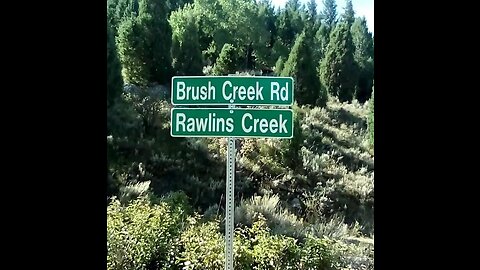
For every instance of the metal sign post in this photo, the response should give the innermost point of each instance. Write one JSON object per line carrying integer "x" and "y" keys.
{"x": 229, "y": 201}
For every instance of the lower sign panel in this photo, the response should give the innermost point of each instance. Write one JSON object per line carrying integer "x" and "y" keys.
{"x": 236, "y": 122}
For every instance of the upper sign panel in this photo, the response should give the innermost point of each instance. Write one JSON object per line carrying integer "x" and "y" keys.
{"x": 234, "y": 90}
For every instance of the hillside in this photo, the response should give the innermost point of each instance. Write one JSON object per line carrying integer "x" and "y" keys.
{"x": 318, "y": 184}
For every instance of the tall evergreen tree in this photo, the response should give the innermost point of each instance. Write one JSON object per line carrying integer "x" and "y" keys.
{"x": 158, "y": 39}
{"x": 363, "y": 41}
{"x": 295, "y": 12}
{"x": 312, "y": 9}
{"x": 338, "y": 70}
{"x": 114, "y": 69}
{"x": 111, "y": 18}
{"x": 312, "y": 14}
{"x": 349, "y": 15}
{"x": 293, "y": 4}
{"x": 322, "y": 38}
{"x": 131, "y": 48}
{"x": 329, "y": 13}
{"x": 301, "y": 67}
{"x": 186, "y": 53}
{"x": 125, "y": 9}
{"x": 286, "y": 31}
{"x": 266, "y": 10}
{"x": 226, "y": 62}
{"x": 263, "y": 51}
{"x": 118, "y": 10}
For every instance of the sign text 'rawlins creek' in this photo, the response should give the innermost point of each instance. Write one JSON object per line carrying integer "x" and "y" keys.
{"x": 223, "y": 122}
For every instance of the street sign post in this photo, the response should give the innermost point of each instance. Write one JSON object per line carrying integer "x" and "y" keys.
{"x": 230, "y": 201}
{"x": 231, "y": 122}
{"x": 236, "y": 90}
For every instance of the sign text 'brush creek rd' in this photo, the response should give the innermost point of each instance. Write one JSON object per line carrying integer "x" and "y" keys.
{"x": 238, "y": 90}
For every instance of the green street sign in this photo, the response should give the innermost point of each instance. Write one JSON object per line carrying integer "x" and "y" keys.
{"x": 234, "y": 122}
{"x": 232, "y": 90}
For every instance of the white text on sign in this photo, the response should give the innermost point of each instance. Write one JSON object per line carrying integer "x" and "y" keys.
{"x": 214, "y": 124}
{"x": 230, "y": 92}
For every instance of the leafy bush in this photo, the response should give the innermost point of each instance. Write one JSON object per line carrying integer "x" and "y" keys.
{"x": 153, "y": 235}
{"x": 226, "y": 62}
{"x": 317, "y": 253}
{"x": 202, "y": 246}
{"x": 256, "y": 248}
{"x": 142, "y": 235}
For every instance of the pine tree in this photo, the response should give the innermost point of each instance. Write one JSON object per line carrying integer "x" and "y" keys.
{"x": 349, "y": 15}
{"x": 226, "y": 62}
{"x": 312, "y": 10}
{"x": 131, "y": 52}
{"x": 263, "y": 49}
{"x": 286, "y": 32}
{"x": 114, "y": 70}
{"x": 301, "y": 67}
{"x": 292, "y": 4}
{"x": 186, "y": 53}
{"x": 363, "y": 41}
{"x": 338, "y": 70}
{"x": 111, "y": 18}
{"x": 330, "y": 13}
{"x": 312, "y": 15}
{"x": 321, "y": 41}
{"x": 295, "y": 11}
{"x": 118, "y": 10}
{"x": 125, "y": 9}
{"x": 158, "y": 39}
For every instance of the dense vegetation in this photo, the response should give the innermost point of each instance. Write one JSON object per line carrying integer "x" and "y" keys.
{"x": 302, "y": 203}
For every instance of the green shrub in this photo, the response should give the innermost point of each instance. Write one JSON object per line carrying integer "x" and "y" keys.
{"x": 256, "y": 248}
{"x": 317, "y": 253}
{"x": 141, "y": 235}
{"x": 202, "y": 246}
{"x": 226, "y": 61}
